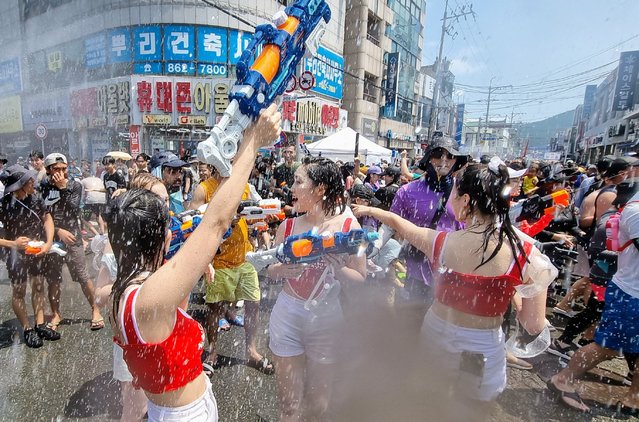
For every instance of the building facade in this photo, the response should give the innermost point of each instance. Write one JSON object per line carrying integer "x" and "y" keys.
{"x": 86, "y": 77}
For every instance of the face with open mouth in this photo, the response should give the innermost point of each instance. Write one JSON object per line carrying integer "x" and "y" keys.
{"x": 306, "y": 196}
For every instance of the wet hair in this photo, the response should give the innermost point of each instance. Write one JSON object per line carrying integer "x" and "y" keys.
{"x": 144, "y": 181}
{"x": 144, "y": 156}
{"x": 137, "y": 220}
{"x": 489, "y": 194}
{"x": 323, "y": 171}
{"x": 36, "y": 154}
{"x": 107, "y": 159}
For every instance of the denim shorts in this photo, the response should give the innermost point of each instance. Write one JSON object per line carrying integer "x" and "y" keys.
{"x": 619, "y": 327}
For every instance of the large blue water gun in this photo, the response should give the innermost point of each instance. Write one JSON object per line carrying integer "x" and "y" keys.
{"x": 182, "y": 225}
{"x": 294, "y": 33}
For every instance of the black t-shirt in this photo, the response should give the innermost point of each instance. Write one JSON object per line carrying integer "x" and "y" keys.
{"x": 113, "y": 182}
{"x": 23, "y": 217}
{"x": 63, "y": 205}
{"x": 386, "y": 195}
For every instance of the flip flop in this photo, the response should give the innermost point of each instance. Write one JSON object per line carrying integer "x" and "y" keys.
{"x": 562, "y": 395}
{"x": 97, "y": 324}
{"x": 53, "y": 326}
{"x": 262, "y": 365}
{"x": 238, "y": 321}
{"x": 223, "y": 325}
{"x": 208, "y": 369}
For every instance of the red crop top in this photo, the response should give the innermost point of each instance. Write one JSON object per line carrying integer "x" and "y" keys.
{"x": 475, "y": 294}
{"x": 164, "y": 366}
{"x": 304, "y": 285}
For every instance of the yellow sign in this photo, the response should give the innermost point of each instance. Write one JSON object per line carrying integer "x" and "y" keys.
{"x": 156, "y": 119}
{"x": 10, "y": 114}
{"x": 119, "y": 120}
{"x": 193, "y": 120}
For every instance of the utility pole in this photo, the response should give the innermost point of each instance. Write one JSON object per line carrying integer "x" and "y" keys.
{"x": 446, "y": 29}
{"x": 490, "y": 91}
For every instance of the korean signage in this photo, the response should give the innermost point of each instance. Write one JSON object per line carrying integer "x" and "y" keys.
{"x": 589, "y": 100}
{"x": 51, "y": 109}
{"x": 626, "y": 80}
{"x": 178, "y": 101}
{"x": 312, "y": 117}
{"x": 459, "y": 123}
{"x": 10, "y": 77}
{"x": 327, "y": 68}
{"x": 105, "y": 104}
{"x": 134, "y": 139}
{"x": 369, "y": 128}
{"x": 392, "y": 73}
{"x": 10, "y": 114}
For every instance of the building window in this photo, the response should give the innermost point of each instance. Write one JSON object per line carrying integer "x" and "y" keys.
{"x": 374, "y": 29}
{"x": 370, "y": 88}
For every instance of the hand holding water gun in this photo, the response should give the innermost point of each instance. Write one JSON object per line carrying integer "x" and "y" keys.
{"x": 311, "y": 246}
{"x": 259, "y": 210}
{"x": 34, "y": 247}
{"x": 292, "y": 33}
{"x": 182, "y": 225}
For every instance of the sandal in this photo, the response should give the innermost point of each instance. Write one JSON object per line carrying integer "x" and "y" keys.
{"x": 223, "y": 325}
{"x": 97, "y": 324}
{"x": 238, "y": 321}
{"x": 263, "y": 365}
{"x": 53, "y": 326}
{"x": 563, "y": 395}
{"x": 208, "y": 369}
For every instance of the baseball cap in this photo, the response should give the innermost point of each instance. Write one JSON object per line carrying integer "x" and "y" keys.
{"x": 616, "y": 167}
{"x": 53, "y": 158}
{"x": 392, "y": 171}
{"x": 374, "y": 170}
{"x": 166, "y": 159}
{"x": 625, "y": 191}
{"x": 364, "y": 192}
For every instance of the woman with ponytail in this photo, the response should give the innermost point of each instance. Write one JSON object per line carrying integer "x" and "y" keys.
{"x": 477, "y": 271}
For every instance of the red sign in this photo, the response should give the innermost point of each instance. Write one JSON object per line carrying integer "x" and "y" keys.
{"x": 134, "y": 139}
{"x": 307, "y": 80}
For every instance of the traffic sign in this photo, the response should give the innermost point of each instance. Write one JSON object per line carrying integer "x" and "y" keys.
{"x": 291, "y": 85}
{"x": 41, "y": 132}
{"x": 307, "y": 80}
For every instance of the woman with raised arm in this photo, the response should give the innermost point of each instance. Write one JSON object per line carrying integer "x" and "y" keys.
{"x": 477, "y": 271}
{"x": 307, "y": 312}
{"x": 162, "y": 344}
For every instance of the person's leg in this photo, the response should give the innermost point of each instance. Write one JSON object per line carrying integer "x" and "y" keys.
{"x": 581, "y": 321}
{"x": 19, "y": 292}
{"x": 213, "y": 313}
{"x": 53, "y": 291}
{"x": 575, "y": 291}
{"x": 248, "y": 290}
{"x": 290, "y": 376}
{"x": 37, "y": 299}
{"x": 133, "y": 402}
{"x": 631, "y": 398}
{"x": 75, "y": 260}
{"x": 317, "y": 397}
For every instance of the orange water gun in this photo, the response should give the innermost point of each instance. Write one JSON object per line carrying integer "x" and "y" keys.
{"x": 294, "y": 33}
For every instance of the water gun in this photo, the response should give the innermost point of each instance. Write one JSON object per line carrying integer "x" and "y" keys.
{"x": 549, "y": 202}
{"x": 532, "y": 207}
{"x": 182, "y": 225}
{"x": 311, "y": 246}
{"x": 293, "y": 33}
{"x": 258, "y": 210}
{"x": 35, "y": 246}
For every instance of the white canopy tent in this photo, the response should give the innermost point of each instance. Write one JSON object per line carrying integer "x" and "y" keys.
{"x": 341, "y": 146}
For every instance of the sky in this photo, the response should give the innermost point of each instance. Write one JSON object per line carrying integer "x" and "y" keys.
{"x": 534, "y": 50}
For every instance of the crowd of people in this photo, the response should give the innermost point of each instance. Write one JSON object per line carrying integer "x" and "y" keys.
{"x": 472, "y": 250}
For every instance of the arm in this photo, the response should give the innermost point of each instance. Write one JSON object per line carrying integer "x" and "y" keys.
{"x": 164, "y": 290}
{"x": 533, "y": 313}
{"x": 588, "y": 211}
{"x": 403, "y": 166}
{"x": 49, "y": 230}
{"x": 281, "y": 271}
{"x": 20, "y": 243}
{"x": 420, "y": 237}
{"x": 199, "y": 198}
{"x": 351, "y": 268}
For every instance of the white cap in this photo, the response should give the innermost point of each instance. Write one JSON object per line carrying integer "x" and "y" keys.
{"x": 54, "y": 158}
{"x": 514, "y": 174}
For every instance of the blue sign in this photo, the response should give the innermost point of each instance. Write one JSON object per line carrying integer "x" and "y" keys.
{"x": 95, "y": 51}
{"x": 207, "y": 69}
{"x": 179, "y": 68}
{"x": 147, "y": 68}
{"x": 147, "y": 43}
{"x": 328, "y": 69}
{"x": 392, "y": 73}
{"x": 10, "y": 77}
{"x": 179, "y": 42}
{"x": 212, "y": 44}
{"x": 119, "y": 45}
{"x": 459, "y": 126}
{"x": 238, "y": 41}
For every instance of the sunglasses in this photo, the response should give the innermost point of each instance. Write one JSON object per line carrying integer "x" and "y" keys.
{"x": 440, "y": 153}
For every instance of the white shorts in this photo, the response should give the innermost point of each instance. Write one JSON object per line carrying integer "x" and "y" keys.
{"x": 294, "y": 330}
{"x": 445, "y": 345}
{"x": 203, "y": 409}
{"x": 120, "y": 370}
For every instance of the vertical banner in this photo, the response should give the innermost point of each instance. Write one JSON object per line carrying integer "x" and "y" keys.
{"x": 459, "y": 126}
{"x": 134, "y": 139}
{"x": 392, "y": 73}
{"x": 589, "y": 100}
{"x": 626, "y": 80}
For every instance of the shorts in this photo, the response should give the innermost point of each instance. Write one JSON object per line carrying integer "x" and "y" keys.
{"x": 120, "y": 370}
{"x": 619, "y": 328}
{"x": 20, "y": 266}
{"x": 294, "y": 331}
{"x": 75, "y": 260}
{"x": 93, "y": 209}
{"x": 452, "y": 353}
{"x": 203, "y": 409}
{"x": 233, "y": 284}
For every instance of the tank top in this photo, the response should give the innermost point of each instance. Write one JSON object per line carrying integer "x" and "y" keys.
{"x": 475, "y": 294}
{"x": 304, "y": 285}
{"x": 164, "y": 366}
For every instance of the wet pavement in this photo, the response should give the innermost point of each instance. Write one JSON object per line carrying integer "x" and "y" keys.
{"x": 71, "y": 379}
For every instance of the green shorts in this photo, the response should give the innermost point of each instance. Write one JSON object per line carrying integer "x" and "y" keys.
{"x": 232, "y": 284}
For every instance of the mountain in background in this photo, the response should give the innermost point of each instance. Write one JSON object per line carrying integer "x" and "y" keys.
{"x": 539, "y": 133}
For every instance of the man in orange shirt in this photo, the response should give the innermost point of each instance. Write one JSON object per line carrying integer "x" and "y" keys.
{"x": 234, "y": 280}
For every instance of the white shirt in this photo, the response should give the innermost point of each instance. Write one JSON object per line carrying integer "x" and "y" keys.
{"x": 627, "y": 276}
